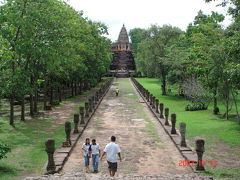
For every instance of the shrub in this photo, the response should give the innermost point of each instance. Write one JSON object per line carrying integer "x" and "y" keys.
{"x": 195, "y": 107}
{"x": 215, "y": 110}
{"x": 4, "y": 149}
{"x": 194, "y": 91}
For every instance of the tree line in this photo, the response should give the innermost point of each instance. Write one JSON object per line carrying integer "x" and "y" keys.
{"x": 46, "y": 46}
{"x": 204, "y": 60}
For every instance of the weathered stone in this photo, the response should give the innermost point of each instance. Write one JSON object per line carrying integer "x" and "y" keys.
{"x": 151, "y": 99}
{"x": 148, "y": 96}
{"x": 157, "y": 104}
{"x": 161, "y": 107}
{"x": 93, "y": 103}
{"x": 68, "y": 129}
{"x": 183, "y": 132}
{"x": 200, "y": 150}
{"x": 50, "y": 148}
{"x": 86, "y": 109}
{"x": 97, "y": 97}
{"x": 123, "y": 60}
{"x": 166, "y": 113}
{"x": 76, "y": 121}
{"x": 90, "y": 105}
{"x": 173, "y": 120}
{"x": 81, "y": 109}
{"x": 154, "y": 101}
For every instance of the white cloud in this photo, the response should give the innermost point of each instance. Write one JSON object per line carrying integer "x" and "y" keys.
{"x": 143, "y": 13}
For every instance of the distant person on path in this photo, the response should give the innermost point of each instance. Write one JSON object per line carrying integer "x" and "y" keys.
{"x": 85, "y": 148}
{"x": 112, "y": 150}
{"x": 117, "y": 91}
{"x": 95, "y": 153}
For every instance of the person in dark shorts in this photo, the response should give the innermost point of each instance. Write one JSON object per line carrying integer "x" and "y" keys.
{"x": 112, "y": 150}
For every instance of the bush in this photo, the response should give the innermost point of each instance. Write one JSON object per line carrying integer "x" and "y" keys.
{"x": 194, "y": 91}
{"x": 215, "y": 110}
{"x": 4, "y": 149}
{"x": 196, "y": 107}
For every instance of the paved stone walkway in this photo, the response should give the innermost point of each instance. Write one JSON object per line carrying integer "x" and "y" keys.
{"x": 82, "y": 176}
{"x": 146, "y": 149}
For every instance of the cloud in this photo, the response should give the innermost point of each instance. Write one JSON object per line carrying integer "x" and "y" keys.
{"x": 143, "y": 13}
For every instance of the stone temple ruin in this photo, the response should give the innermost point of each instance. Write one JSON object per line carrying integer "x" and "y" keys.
{"x": 123, "y": 61}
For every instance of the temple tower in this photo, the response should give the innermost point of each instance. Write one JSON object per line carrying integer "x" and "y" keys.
{"x": 123, "y": 61}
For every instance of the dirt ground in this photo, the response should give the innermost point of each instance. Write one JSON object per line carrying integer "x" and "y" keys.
{"x": 146, "y": 149}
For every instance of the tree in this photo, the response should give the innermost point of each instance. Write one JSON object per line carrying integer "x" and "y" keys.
{"x": 49, "y": 46}
{"x": 156, "y": 51}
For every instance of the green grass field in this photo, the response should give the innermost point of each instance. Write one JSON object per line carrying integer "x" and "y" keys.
{"x": 27, "y": 139}
{"x": 214, "y": 129}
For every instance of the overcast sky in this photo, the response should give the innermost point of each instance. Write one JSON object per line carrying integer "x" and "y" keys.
{"x": 143, "y": 13}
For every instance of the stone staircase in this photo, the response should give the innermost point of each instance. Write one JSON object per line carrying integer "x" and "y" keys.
{"x": 83, "y": 176}
{"x": 123, "y": 60}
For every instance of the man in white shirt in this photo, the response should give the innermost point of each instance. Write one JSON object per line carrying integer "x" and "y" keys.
{"x": 95, "y": 152}
{"x": 112, "y": 150}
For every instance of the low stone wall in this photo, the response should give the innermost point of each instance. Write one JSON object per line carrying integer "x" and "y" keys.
{"x": 193, "y": 157}
{"x": 58, "y": 157}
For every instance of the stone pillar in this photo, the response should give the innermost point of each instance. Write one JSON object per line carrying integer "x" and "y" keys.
{"x": 157, "y": 104}
{"x": 93, "y": 102}
{"x": 166, "y": 113}
{"x": 151, "y": 97}
{"x": 86, "y": 109}
{"x": 82, "y": 115}
{"x": 161, "y": 107}
{"x": 154, "y": 101}
{"x": 90, "y": 105}
{"x": 148, "y": 96}
{"x": 68, "y": 134}
{"x": 50, "y": 148}
{"x": 200, "y": 150}
{"x": 183, "y": 132}
{"x": 173, "y": 120}
{"x": 97, "y": 96}
{"x": 76, "y": 121}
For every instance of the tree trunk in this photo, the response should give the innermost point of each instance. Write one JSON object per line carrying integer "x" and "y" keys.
{"x": 164, "y": 86}
{"x": 226, "y": 96}
{"x": 72, "y": 89}
{"x": 75, "y": 88}
{"x": 227, "y": 109}
{"x": 63, "y": 92}
{"x": 11, "y": 118}
{"x": 215, "y": 98}
{"x": 31, "y": 105}
{"x": 215, "y": 95}
{"x": 51, "y": 96}
{"x": 59, "y": 94}
{"x": 23, "y": 109}
{"x": 236, "y": 105}
{"x": 36, "y": 101}
{"x": 45, "y": 94}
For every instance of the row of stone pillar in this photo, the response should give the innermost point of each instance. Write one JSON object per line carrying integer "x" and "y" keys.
{"x": 83, "y": 117}
{"x": 163, "y": 113}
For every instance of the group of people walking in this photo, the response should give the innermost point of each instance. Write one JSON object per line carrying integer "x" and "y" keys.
{"x": 92, "y": 150}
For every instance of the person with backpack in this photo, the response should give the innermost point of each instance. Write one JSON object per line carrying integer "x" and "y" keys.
{"x": 94, "y": 149}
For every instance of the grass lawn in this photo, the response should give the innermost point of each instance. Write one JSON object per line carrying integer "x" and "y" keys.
{"x": 27, "y": 139}
{"x": 214, "y": 129}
